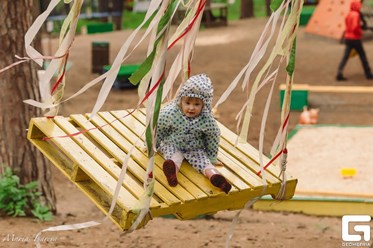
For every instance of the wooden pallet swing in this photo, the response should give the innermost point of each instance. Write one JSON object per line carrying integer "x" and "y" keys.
{"x": 90, "y": 151}
{"x": 92, "y": 161}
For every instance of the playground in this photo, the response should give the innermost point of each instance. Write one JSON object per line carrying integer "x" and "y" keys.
{"x": 220, "y": 52}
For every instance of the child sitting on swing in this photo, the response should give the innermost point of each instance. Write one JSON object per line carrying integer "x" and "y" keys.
{"x": 187, "y": 129}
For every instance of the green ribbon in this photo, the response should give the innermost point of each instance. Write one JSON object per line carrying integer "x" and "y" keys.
{"x": 157, "y": 108}
{"x": 291, "y": 65}
{"x": 276, "y": 4}
{"x": 145, "y": 67}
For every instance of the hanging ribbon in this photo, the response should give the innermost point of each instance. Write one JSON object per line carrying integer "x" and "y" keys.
{"x": 284, "y": 48}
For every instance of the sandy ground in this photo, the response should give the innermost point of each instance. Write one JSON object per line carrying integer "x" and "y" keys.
{"x": 221, "y": 53}
{"x": 332, "y": 151}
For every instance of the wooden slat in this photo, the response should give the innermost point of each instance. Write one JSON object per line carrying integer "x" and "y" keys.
{"x": 296, "y": 87}
{"x": 130, "y": 184}
{"x": 245, "y": 162}
{"x": 340, "y": 89}
{"x": 330, "y": 88}
{"x": 178, "y": 192}
{"x": 125, "y": 199}
{"x": 119, "y": 154}
{"x": 248, "y": 151}
{"x": 241, "y": 171}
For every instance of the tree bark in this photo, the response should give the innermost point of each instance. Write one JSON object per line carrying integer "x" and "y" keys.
{"x": 17, "y": 84}
{"x": 35, "y": 12}
{"x": 247, "y": 9}
{"x": 103, "y": 6}
{"x": 117, "y": 8}
{"x": 268, "y": 8}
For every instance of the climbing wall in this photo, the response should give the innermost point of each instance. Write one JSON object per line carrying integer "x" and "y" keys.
{"x": 328, "y": 18}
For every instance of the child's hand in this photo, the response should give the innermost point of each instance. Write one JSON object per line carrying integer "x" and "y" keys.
{"x": 218, "y": 163}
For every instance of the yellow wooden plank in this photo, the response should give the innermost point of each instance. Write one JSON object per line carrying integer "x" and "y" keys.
{"x": 248, "y": 150}
{"x": 58, "y": 158}
{"x": 335, "y": 194}
{"x": 330, "y": 88}
{"x": 244, "y": 162}
{"x": 184, "y": 183}
{"x": 296, "y": 87}
{"x": 241, "y": 171}
{"x": 125, "y": 199}
{"x": 236, "y": 200}
{"x": 99, "y": 197}
{"x": 197, "y": 178}
{"x": 318, "y": 207}
{"x": 178, "y": 192}
{"x": 129, "y": 183}
{"x": 116, "y": 150}
{"x": 340, "y": 89}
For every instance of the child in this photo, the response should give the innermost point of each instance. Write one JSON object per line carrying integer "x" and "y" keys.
{"x": 353, "y": 36}
{"x": 187, "y": 129}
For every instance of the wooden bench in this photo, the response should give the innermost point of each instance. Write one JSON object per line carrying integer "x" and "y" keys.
{"x": 299, "y": 95}
{"x": 92, "y": 160}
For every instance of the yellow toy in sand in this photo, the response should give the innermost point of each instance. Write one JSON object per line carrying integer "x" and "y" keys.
{"x": 348, "y": 172}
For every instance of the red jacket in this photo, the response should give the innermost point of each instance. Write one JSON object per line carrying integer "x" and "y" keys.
{"x": 353, "y": 28}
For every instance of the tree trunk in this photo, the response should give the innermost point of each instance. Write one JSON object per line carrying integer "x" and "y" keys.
{"x": 35, "y": 12}
{"x": 268, "y": 8}
{"x": 117, "y": 8}
{"x": 17, "y": 84}
{"x": 103, "y": 6}
{"x": 247, "y": 9}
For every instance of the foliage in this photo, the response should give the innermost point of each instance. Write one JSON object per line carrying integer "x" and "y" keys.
{"x": 21, "y": 200}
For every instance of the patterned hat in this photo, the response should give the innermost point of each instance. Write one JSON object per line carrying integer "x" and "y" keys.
{"x": 198, "y": 86}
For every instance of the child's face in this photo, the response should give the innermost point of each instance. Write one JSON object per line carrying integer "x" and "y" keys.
{"x": 191, "y": 106}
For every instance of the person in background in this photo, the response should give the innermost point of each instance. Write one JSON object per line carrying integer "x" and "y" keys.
{"x": 353, "y": 40}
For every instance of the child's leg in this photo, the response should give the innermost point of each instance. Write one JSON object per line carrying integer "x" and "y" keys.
{"x": 178, "y": 158}
{"x": 172, "y": 163}
{"x": 200, "y": 161}
{"x": 217, "y": 179}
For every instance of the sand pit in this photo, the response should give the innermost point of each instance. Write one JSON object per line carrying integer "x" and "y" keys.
{"x": 318, "y": 153}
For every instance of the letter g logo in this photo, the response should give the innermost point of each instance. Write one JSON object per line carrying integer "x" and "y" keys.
{"x": 363, "y": 228}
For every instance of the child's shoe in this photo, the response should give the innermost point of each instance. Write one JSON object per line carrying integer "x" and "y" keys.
{"x": 169, "y": 169}
{"x": 219, "y": 181}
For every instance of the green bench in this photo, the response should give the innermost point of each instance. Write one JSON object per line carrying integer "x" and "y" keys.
{"x": 122, "y": 80}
